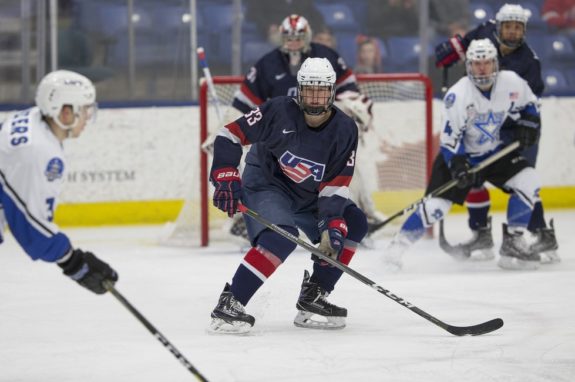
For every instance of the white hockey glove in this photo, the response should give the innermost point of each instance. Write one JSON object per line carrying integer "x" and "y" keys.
{"x": 357, "y": 106}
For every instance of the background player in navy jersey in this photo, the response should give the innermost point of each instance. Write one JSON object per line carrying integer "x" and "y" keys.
{"x": 507, "y": 32}
{"x": 275, "y": 75}
{"x": 482, "y": 113}
{"x": 32, "y": 165}
{"x": 296, "y": 175}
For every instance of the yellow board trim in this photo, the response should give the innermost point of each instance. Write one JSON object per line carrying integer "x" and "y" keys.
{"x": 161, "y": 211}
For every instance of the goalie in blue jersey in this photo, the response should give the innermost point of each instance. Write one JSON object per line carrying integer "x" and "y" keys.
{"x": 297, "y": 175}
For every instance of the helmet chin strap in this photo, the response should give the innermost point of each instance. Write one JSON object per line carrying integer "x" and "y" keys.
{"x": 68, "y": 128}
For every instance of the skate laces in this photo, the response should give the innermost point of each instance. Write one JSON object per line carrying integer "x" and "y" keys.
{"x": 230, "y": 304}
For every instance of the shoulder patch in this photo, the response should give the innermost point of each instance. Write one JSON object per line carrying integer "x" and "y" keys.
{"x": 449, "y": 100}
{"x": 54, "y": 169}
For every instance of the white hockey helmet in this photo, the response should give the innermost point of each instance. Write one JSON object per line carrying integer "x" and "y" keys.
{"x": 316, "y": 72}
{"x": 481, "y": 50}
{"x": 512, "y": 12}
{"x": 295, "y": 27}
{"x": 63, "y": 87}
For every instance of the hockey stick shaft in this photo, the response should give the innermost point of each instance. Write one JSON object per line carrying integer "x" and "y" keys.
{"x": 449, "y": 185}
{"x": 208, "y": 76}
{"x": 155, "y": 332}
{"x": 483, "y": 328}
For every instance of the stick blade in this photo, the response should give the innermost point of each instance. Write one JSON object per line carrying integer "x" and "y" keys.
{"x": 476, "y": 330}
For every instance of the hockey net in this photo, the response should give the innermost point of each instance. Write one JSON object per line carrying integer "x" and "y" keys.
{"x": 395, "y": 156}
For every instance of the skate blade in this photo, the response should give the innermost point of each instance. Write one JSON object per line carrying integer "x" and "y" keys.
{"x": 219, "y": 326}
{"x": 550, "y": 257}
{"x": 316, "y": 321}
{"x": 513, "y": 263}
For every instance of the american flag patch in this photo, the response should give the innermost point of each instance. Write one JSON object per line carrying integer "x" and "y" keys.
{"x": 513, "y": 96}
{"x": 299, "y": 169}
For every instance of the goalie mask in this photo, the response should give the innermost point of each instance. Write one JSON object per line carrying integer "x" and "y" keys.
{"x": 65, "y": 88}
{"x": 316, "y": 86}
{"x": 511, "y": 14}
{"x": 295, "y": 34}
{"x": 481, "y": 63}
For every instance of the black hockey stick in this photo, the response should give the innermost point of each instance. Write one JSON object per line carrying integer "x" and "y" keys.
{"x": 160, "y": 337}
{"x": 447, "y": 186}
{"x": 474, "y": 330}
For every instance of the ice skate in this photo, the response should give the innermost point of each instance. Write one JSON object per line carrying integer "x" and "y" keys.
{"x": 515, "y": 253}
{"x": 479, "y": 247}
{"x": 314, "y": 311}
{"x": 229, "y": 316}
{"x": 546, "y": 245}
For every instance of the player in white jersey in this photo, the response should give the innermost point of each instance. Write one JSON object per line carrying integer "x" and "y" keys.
{"x": 482, "y": 113}
{"x": 32, "y": 165}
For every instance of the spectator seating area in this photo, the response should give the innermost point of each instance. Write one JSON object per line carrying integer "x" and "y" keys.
{"x": 162, "y": 36}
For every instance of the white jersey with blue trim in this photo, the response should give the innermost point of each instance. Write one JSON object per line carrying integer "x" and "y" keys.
{"x": 32, "y": 164}
{"x": 473, "y": 119}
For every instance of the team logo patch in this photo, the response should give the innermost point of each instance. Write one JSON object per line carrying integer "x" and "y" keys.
{"x": 55, "y": 169}
{"x": 488, "y": 124}
{"x": 299, "y": 169}
{"x": 449, "y": 100}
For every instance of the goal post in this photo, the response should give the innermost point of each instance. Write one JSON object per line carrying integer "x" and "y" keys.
{"x": 398, "y": 151}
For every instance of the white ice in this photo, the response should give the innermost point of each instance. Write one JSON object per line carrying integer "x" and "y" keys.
{"x": 53, "y": 330}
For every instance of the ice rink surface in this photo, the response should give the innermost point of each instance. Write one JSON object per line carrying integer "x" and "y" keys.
{"x": 54, "y": 331}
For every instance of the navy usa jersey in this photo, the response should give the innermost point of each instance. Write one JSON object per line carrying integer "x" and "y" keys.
{"x": 311, "y": 165}
{"x": 522, "y": 60}
{"x": 271, "y": 77}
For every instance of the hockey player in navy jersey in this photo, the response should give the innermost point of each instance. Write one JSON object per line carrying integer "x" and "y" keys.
{"x": 275, "y": 75}
{"x": 32, "y": 165}
{"x": 507, "y": 32}
{"x": 482, "y": 113}
{"x": 296, "y": 175}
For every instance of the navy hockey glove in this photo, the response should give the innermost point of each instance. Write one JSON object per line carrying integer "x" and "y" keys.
{"x": 228, "y": 191}
{"x": 527, "y": 130}
{"x": 89, "y": 271}
{"x": 449, "y": 52}
{"x": 333, "y": 233}
{"x": 459, "y": 167}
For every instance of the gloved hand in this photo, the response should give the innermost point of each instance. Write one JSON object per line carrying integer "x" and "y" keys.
{"x": 86, "y": 269}
{"x": 333, "y": 233}
{"x": 459, "y": 167}
{"x": 449, "y": 52}
{"x": 527, "y": 130}
{"x": 228, "y": 191}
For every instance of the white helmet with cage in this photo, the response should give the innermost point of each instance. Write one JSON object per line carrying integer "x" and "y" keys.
{"x": 64, "y": 87}
{"x": 295, "y": 27}
{"x": 315, "y": 73}
{"x": 512, "y": 12}
{"x": 482, "y": 50}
